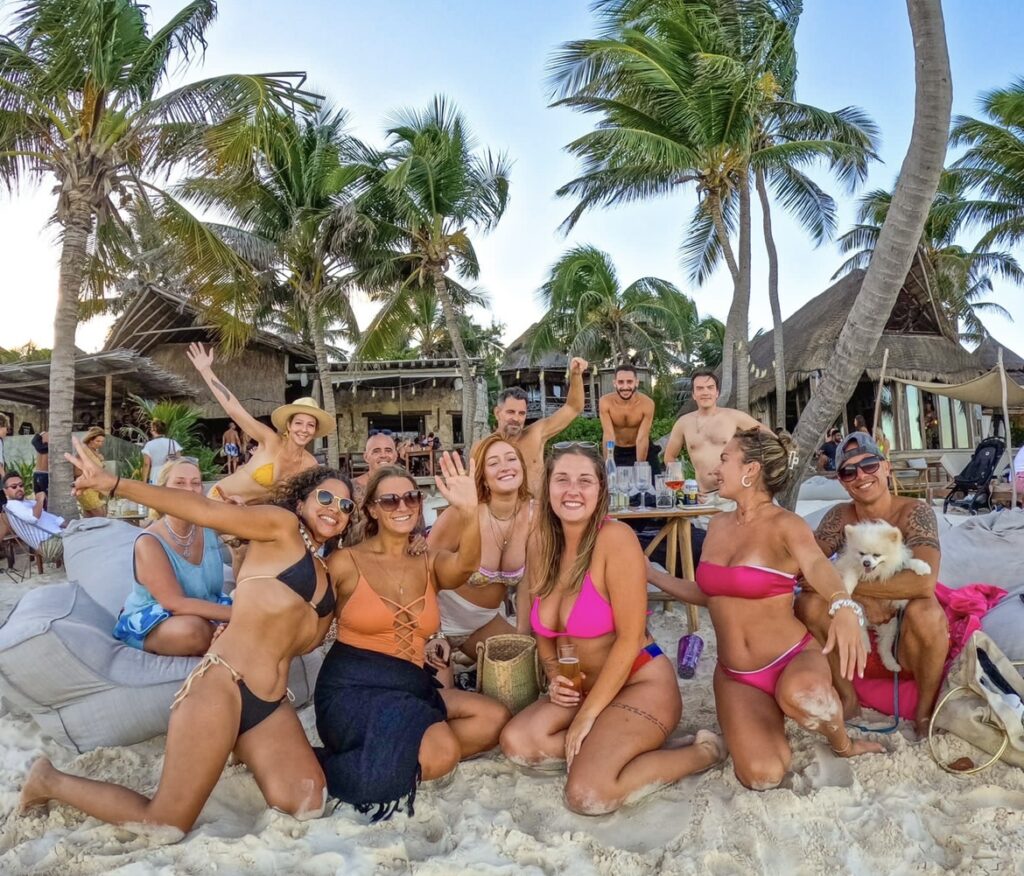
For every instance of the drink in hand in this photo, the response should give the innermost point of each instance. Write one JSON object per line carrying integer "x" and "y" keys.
{"x": 569, "y": 666}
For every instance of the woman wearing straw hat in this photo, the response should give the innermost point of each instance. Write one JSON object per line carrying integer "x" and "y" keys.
{"x": 280, "y": 452}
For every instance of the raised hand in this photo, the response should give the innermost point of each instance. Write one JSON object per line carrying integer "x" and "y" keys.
{"x": 456, "y": 484}
{"x": 578, "y": 365}
{"x": 201, "y": 357}
{"x": 91, "y": 475}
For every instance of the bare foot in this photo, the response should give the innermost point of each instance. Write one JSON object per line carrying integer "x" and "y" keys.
{"x": 713, "y": 745}
{"x": 35, "y": 787}
{"x": 860, "y": 746}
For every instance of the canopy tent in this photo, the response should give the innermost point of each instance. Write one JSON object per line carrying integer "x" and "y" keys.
{"x": 992, "y": 390}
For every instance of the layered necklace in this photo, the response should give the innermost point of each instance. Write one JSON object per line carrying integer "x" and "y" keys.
{"x": 502, "y": 536}
{"x": 184, "y": 542}
{"x": 312, "y": 548}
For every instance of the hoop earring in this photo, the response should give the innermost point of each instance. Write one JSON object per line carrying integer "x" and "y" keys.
{"x": 745, "y": 482}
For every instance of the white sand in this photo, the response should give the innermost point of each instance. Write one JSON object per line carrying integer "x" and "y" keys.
{"x": 894, "y": 813}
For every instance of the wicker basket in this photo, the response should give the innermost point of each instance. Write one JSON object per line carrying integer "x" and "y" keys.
{"x": 508, "y": 670}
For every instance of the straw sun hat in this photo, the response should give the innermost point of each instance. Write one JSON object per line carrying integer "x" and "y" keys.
{"x": 281, "y": 415}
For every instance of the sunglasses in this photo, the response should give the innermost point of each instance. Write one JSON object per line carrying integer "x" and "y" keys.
{"x": 582, "y": 445}
{"x": 849, "y": 472}
{"x": 387, "y": 432}
{"x": 391, "y": 501}
{"x": 327, "y": 498}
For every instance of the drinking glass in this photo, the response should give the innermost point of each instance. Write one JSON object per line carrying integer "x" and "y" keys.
{"x": 569, "y": 665}
{"x": 664, "y": 497}
{"x": 674, "y": 476}
{"x": 642, "y": 475}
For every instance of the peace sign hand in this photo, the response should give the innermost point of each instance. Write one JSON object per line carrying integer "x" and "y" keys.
{"x": 91, "y": 476}
{"x": 201, "y": 357}
{"x": 458, "y": 486}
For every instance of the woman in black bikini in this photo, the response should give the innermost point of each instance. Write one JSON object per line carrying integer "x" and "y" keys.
{"x": 235, "y": 699}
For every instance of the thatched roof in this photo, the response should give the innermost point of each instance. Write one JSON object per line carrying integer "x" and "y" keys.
{"x": 917, "y": 336}
{"x": 517, "y": 356}
{"x": 158, "y": 316}
{"x": 987, "y": 354}
{"x": 29, "y": 382}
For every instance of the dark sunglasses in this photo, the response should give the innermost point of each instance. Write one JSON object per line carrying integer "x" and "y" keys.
{"x": 387, "y": 432}
{"x": 849, "y": 472}
{"x": 391, "y": 501}
{"x": 582, "y": 445}
{"x": 327, "y": 498}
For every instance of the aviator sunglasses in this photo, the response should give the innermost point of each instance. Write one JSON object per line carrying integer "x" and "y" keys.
{"x": 391, "y": 501}
{"x": 849, "y": 472}
{"x": 582, "y": 445}
{"x": 327, "y": 498}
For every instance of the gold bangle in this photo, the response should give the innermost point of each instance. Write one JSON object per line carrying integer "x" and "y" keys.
{"x": 839, "y": 594}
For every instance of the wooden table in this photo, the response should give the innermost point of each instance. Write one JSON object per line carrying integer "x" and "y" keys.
{"x": 428, "y": 452}
{"x": 678, "y": 538}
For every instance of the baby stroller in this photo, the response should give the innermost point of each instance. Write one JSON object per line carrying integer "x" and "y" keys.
{"x": 972, "y": 490}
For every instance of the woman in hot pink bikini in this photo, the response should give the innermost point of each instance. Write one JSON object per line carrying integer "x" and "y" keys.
{"x": 769, "y": 666}
{"x": 587, "y": 577}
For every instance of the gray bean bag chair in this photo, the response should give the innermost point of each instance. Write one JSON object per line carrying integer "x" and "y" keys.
{"x": 60, "y": 663}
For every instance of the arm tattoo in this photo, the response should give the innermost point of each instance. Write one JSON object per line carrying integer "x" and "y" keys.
{"x": 921, "y": 529}
{"x": 830, "y": 530}
{"x": 227, "y": 393}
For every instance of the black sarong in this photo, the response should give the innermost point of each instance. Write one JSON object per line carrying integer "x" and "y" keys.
{"x": 371, "y": 713}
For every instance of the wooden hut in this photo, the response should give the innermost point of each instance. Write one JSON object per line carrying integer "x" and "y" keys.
{"x": 161, "y": 325}
{"x": 922, "y": 345}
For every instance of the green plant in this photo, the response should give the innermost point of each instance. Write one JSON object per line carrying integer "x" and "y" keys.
{"x": 182, "y": 422}
{"x": 25, "y": 468}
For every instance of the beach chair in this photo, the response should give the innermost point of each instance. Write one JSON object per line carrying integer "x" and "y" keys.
{"x": 17, "y": 554}
{"x": 972, "y": 488}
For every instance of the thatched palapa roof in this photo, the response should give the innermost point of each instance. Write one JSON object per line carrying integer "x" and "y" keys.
{"x": 517, "y": 356}
{"x": 987, "y": 354}
{"x": 922, "y": 345}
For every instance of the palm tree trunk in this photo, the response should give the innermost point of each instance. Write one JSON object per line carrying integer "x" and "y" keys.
{"x": 773, "y": 299}
{"x": 739, "y": 312}
{"x": 73, "y": 257}
{"x": 714, "y": 207}
{"x": 323, "y": 369}
{"x": 901, "y": 231}
{"x": 468, "y": 384}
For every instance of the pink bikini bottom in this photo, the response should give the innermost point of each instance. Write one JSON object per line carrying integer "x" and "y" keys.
{"x": 767, "y": 677}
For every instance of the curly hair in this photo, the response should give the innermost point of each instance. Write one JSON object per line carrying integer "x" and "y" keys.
{"x": 371, "y": 527}
{"x": 776, "y": 455}
{"x": 291, "y": 491}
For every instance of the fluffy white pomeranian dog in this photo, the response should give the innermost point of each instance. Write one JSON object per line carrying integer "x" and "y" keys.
{"x": 875, "y": 551}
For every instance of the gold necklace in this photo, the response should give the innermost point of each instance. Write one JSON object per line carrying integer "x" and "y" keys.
{"x": 499, "y": 534}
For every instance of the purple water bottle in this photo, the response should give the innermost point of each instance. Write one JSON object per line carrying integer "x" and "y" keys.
{"x": 691, "y": 646}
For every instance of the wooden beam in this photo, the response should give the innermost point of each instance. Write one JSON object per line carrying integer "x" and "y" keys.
{"x": 108, "y": 402}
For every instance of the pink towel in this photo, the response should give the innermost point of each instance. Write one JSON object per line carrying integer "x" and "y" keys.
{"x": 964, "y": 609}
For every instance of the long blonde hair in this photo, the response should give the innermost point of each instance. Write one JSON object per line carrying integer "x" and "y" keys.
{"x": 551, "y": 537}
{"x": 483, "y": 492}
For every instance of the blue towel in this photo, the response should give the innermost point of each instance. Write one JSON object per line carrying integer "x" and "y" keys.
{"x": 371, "y": 713}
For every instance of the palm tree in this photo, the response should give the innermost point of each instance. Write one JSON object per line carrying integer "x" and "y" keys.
{"x": 900, "y": 234}
{"x": 434, "y": 189}
{"x": 589, "y": 314}
{"x": 79, "y": 83}
{"x": 411, "y": 322}
{"x": 703, "y": 93}
{"x": 954, "y": 276}
{"x": 994, "y": 162}
{"x": 294, "y": 220}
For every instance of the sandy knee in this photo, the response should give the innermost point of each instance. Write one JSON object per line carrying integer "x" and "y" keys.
{"x": 439, "y": 751}
{"x": 762, "y": 774}
{"x": 586, "y": 797}
{"x": 814, "y": 704}
{"x": 302, "y": 798}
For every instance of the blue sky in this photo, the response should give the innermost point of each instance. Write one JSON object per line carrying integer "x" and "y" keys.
{"x": 491, "y": 58}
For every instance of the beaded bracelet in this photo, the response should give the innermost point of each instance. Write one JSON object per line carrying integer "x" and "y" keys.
{"x": 113, "y": 489}
{"x": 847, "y": 603}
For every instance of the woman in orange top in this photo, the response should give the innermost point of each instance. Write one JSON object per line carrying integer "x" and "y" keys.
{"x": 384, "y": 722}
{"x": 280, "y": 452}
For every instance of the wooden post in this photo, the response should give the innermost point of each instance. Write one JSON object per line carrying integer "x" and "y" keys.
{"x": 1009, "y": 434}
{"x": 875, "y": 422}
{"x": 543, "y": 396}
{"x": 108, "y": 403}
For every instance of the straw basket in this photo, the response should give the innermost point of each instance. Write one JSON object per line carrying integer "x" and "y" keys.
{"x": 508, "y": 670}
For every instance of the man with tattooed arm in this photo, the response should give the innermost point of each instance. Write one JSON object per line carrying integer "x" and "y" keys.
{"x": 924, "y": 634}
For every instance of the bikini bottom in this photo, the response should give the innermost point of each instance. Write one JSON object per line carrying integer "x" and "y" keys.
{"x": 767, "y": 677}
{"x": 254, "y": 710}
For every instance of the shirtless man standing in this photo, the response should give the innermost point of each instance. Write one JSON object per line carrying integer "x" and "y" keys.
{"x": 510, "y": 412}
{"x": 626, "y": 417}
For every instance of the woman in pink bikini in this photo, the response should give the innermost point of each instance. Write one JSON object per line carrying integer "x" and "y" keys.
{"x": 587, "y": 576}
{"x": 769, "y": 666}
